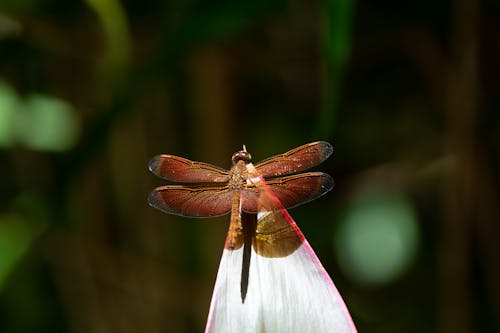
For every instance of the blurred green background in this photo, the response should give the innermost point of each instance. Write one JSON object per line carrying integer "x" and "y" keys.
{"x": 407, "y": 92}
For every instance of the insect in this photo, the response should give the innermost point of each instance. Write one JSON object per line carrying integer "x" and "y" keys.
{"x": 263, "y": 247}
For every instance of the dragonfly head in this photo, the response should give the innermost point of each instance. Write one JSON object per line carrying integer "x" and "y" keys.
{"x": 242, "y": 155}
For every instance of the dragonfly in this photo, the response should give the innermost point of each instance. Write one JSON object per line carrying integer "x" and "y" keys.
{"x": 278, "y": 271}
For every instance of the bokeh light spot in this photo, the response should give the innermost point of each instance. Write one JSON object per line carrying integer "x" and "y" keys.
{"x": 378, "y": 237}
{"x": 47, "y": 124}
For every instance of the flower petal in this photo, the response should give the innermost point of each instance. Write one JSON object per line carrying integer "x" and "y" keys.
{"x": 288, "y": 294}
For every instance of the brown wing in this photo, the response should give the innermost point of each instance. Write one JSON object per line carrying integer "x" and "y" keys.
{"x": 276, "y": 234}
{"x": 276, "y": 237}
{"x": 178, "y": 169}
{"x": 289, "y": 190}
{"x": 295, "y": 160}
{"x": 193, "y": 201}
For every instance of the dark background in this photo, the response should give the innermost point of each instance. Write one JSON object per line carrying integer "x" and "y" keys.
{"x": 406, "y": 91}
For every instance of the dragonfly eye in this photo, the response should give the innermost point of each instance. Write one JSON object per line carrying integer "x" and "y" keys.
{"x": 241, "y": 155}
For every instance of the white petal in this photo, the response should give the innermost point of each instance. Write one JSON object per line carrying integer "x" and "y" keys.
{"x": 289, "y": 294}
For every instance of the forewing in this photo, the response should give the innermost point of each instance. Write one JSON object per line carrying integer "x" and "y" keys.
{"x": 193, "y": 201}
{"x": 178, "y": 169}
{"x": 295, "y": 160}
{"x": 290, "y": 190}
